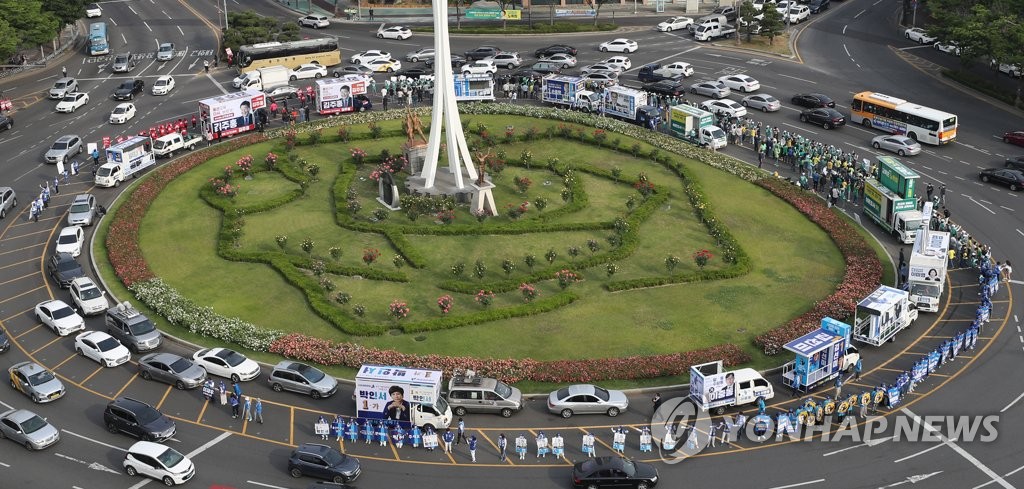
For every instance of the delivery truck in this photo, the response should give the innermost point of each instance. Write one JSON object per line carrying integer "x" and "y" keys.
{"x": 473, "y": 87}
{"x": 410, "y": 396}
{"x": 890, "y": 200}
{"x": 820, "y": 356}
{"x": 125, "y": 160}
{"x": 926, "y": 275}
{"x": 231, "y": 114}
{"x": 570, "y": 92}
{"x": 696, "y": 126}
{"x": 630, "y": 105}
{"x": 263, "y": 78}
{"x": 714, "y": 388}
{"x": 882, "y": 314}
{"x": 166, "y": 145}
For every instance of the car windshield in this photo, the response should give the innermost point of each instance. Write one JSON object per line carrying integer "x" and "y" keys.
{"x": 924, "y": 289}
{"x": 91, "y": 293}
{"x": 67, "y": 239}
{"x": 601, "y": 393}
{"x": 121, "y": 59}
{"x": 165, "y": 48}
{"x": 33, "y": 424}
{"x": 334, "y": 458}
{"x": 769, "y": 99}
{"x": 141, "y": 327}
{"x": 161, "y": 83}
{"x": 59, "y": 145}
{"x": 159, "y": 144}
{"x": 63, "y": 313}
{"x": 127, "y": 85}
{"x": 311, "y": 374}
{"x": 147, "y": 415}
{"x": 170, "y": 458}
{"x": 104, "y": 171}
{"x": 67, "y": 266}
{"x": 503, "y": 390}
{"x": 69, "y": 98}
{"x": 79, "y": 207}
{"x": 60, "y": 84}
{"x": 233, "y": 358}
{"x": 562, "y": 393}
{"x": 107, "y": 344}
{"x": 120, "y": 110}
{"x": 40, "y": 378}
{"x": 180, "y": 365}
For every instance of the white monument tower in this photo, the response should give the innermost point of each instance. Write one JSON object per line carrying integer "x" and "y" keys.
{"x": 445, "y": 116}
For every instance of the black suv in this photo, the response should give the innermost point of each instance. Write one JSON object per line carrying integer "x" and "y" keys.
{"x": 555, "y": 49}
{"x": 128, "y": 89}
{"x": 63, "y": 268}
{"x": 6, "y": 122}
{"x": 482, "y": 52}
{"x": 137, "y": 419}
{"x": 323, "y": 462}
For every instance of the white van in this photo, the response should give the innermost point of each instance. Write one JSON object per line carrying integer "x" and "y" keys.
{"x": 713, "y": 137}
{"x": 708, "y": 20}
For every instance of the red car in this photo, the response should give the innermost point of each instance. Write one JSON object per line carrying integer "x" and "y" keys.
{"x": 1015, "y": 137}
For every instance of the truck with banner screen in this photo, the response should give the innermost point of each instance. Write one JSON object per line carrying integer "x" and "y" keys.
{"x": 820, "y": 356}
{"x": 341, "y": 95}
{"x": 712, "y": 387}
{"x": 125, "y": 159}
{"x": 882, "y": 314}
{"x": 409, "y": 396}
{"x": 927, "y": 269}
{"x": 569, "y": 91}
{"x": 897, "y": 215}
{"x": 471, "y": 87}
{"x": 630, "y": 105}
{"x": 697, "y": 126}
{"x": 227, "y": 115}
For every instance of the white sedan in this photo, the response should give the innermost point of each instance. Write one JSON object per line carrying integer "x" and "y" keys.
{"x": 741, "y": 83}
{"x": 72, "y": 101}
{"x": 70, "y": 240}
{"x": 674, "y": 24}
{"x": 384, "y": 65}
{"x": 308, "y": 70}
{"x": 676, "y": 68}
{"x": 59, "y": 317}
{"x": 918, "y": 34}
{"x": 600, "y": 68}
{"x": 621, "y": 61}
{"x": 950, "y": 47}
{"x": 762, "y": 101}
{"x": 122, "y": 113}
{"x": 395, "y": 32}
{"x": 163, "y": 85}
{"x": 619, "y": 46}
{"x": 102, "y": 348}
{"x": 93, "y": 10}
{"x": 724, "y": 106}
{"x": 223, "y": 362}
{"x": 564, "y": 59}
{"x": 367, "y": 56}
{"x": 482, "y": 67}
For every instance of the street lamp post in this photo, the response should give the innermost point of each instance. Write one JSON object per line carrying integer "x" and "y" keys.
{"x": 225, "y": 14}
{"x": 634, "y": 7}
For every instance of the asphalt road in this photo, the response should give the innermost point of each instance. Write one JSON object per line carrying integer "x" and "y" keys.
{"x": 233, "y": 453}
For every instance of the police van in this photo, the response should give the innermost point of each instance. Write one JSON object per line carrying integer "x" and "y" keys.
{"x": 468, "y": 392}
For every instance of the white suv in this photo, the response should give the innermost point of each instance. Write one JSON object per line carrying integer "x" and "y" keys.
{"x": 314, "y": 21}
{"x": 160, "y": 462}
{"x": 482, "y": 67}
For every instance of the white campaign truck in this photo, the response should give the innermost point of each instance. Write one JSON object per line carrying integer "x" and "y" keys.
{"x": 231, "y": 114}
{"x": 630, "y": 105}
{"x": 883, "y": 314}
{"x": 570, "y": 92}
{"x": 269, "y": 77}
{"x": 166, "y": 145}
{"x": 927, "y": 271}
{"x": 711, "y": 387}
{"x": 409, "y": 395}
{"x": 125, "y": 159}
{"x": 696, "y": 126}
{"x": 473, "y": 87}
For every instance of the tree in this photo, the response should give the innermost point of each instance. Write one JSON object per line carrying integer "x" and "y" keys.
{"x": 67, "y": 11}
{"x": 458, "y": 13}
{"x": 596, "y": 5}
{"x": 747, "y": 14}
{"x": 33, "y": 25}
{"x": 8, "y": 40}
{"x": 771, "y": 23}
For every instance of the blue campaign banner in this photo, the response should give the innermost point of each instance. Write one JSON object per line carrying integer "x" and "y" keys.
{"x": 972, "y": 337}
{"x": 958, "y": 343}
{"x": 920, "y": 370}
{"x": 933, "y": 361}
{"x": 894, "y": 397}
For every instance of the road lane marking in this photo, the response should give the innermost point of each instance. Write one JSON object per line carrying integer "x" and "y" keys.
{"x": 264, "y": 485}
{"x": 800, "y": 79}
{"x": 922, "y": 452}
{"x": 206, "y": 446}
{"x": 859, "y": 14}
{"x": 960, "y": 451}
{"x": 94, "y": 465}
{"x": 1010, "y": 405}
{"x": 86, "y": 438}
{"x": 216, "y": 84}
{"x": 147, "y": 26}
{"x": 798, "y": 484}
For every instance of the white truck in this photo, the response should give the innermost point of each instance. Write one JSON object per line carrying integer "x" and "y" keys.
{"x": 473, "y": 87}
{"x": 630, "y": 105}
{"x": 166, "y": 145}
{"x": 713, "y": 31}
{"x": 231, "y": 114}
{"x": 927, "y": 269}
{"x": 696, "y": 126}
{"x": 410, "y": 396}
{"x": 271, "y": 76}
{"x": 883, "y": 314}
{"x": 712, "y": 387}
{"x": 569, "y": 91}
{"x": 125, "y": 159}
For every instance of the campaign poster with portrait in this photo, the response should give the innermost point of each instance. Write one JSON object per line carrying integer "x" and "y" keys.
{"x": 920, "y": 370}
{"x": 337, "y": 95}
{"x": 933, "y": 361}
{"x": 720, "y": 388}
{"x": 230, "y": 114}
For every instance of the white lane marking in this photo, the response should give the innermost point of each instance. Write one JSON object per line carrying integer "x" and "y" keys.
{"x": 218, "y": 85}
{"x": 93, "y": 465}
{"x": 1008, "y": 474}
{"x": 180, "y": 60}
{"x": 859, "y": 14}
{"x": 4, "y": 465}
{"x": 181, "y": 31}
{"x": 960, "y": 451}
{"x": 206, "y": 446}
{"x": 125, "y": 39}
{"x": 133, "y": 10}
{"x": 72, "y": 433}
{"x": 922, "y": 452}
{"x": 147, "y": 26}
{"x": 913, "y": 479}
{"x": 844, "y": 28}
{"x": 667, "y": 57}
{"x": 800, "y": 79}
{"x": 869, "y": 443}
{"x": 1020, "y": 232}
{"x": 1007, "y": 208}
{"x": 112, "y": 21}
{"x": 847, "y": 51}
{"x": 979, "y": 204}
{"x": 264, "y": 485}
{"x": 799, "y": 484}
{"x": 8, "y": 406}
{"x": 797, "y": 127}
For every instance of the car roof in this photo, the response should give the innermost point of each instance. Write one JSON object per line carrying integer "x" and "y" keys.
{"x": 70, "y": 230}
{"x": 130, "y": 404}
{"x": 580, "y": 389}
{"x": 54, "y": 303}
{"x": 28, "y": 368}
{"x": 19, "y": 415}
{"x": 167, "y": 44}
{"x": 64, "y": 256}
{"x": 83, "y": 281}
{"x": 66, "y": 137}
{"x": 82, "y": 198}
{"x": 314, "y": 448}
{"x": 148, "y": 448}
{"x": 94, "y": 335}
{"x": 65, "y": 80}
{"x": 162, "y": 357}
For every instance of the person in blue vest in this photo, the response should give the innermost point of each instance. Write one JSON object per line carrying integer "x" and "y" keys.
{"x": 857, "y": 368}
{"x": 448, "y": 438}
{"x": 353, "y": 431}
{"x": 760, "y": 405}
{"x": 472, "y": 447}
{"x": 417, "y": 436}
{"x": 382, "y": 434}
{"x": 339, "y": 427}
{"x": 502, "y": 446}
{"x": 368, "y": 430}
{"x": 398, "y": 436}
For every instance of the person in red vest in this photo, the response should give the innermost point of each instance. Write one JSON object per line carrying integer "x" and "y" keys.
{"x": 193, "y": 122}
{"x": 152, "y": 132}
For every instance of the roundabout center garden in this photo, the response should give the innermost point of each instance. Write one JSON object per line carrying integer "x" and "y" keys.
{"x": 615, "y": 255}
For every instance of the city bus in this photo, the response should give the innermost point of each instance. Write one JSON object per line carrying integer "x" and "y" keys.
{"x": 323, "y": 51}
{"x": 98, "y": 39}
{"x": 897, "y": 116}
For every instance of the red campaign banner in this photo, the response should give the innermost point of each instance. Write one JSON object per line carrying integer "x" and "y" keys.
{"x": 106, "y": 142}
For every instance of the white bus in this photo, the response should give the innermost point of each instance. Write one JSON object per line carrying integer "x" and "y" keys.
{"x": 897, "y": 116}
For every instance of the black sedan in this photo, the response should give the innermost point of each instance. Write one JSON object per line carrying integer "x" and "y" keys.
{"x": 824, "y": 117}
{"x": 414, "y": 72}
{"x": 614, "y": 472}
{"x": 128, "y": 89}
{"x": 813, "y": 100}
{"x": 457, "y": 62}
{"x": 1004, "y": 176}
{"x": 555, "y": 49}
{"x": 482, "y": 52}
{"x": 666, "y": 87}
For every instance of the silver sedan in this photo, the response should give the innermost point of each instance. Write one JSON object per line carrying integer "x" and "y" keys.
{"x": 714, "y": 89}
{"x": 762, "y": 102}
{"x": 36, "y": 382}
{"x": 27, "y": 429}
{"x": 901, "y": 145}
{"x": 586, "y": 399}
{"x": 171, "y": 369}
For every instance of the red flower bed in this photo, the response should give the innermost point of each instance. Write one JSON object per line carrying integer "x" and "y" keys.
{"x": 324, "y": 352}
{"x": 863, "y": 269}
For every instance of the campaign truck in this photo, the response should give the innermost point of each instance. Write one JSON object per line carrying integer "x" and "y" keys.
{"x": 230, "y": 114}
{"x": 630, "y": 105}
{"x": 570, "y": 92}
{"x": 166, "y": 145}
{"x": 473, "y": 87}
{"x": 883, "y": 314}
{"x": 696, "y": 126}
{"x": 891, "y": 200}
{"x": 263, "y": 78}
{"x": 821, "y": 356}
{"x": 340, "y": 95}
{"x": 125, "y": 159}
{"x": 410, "y": 396}
{"x": 714, "y": 388}
{"x": 712, "y": 31}
{"x": 927, "y": 269}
